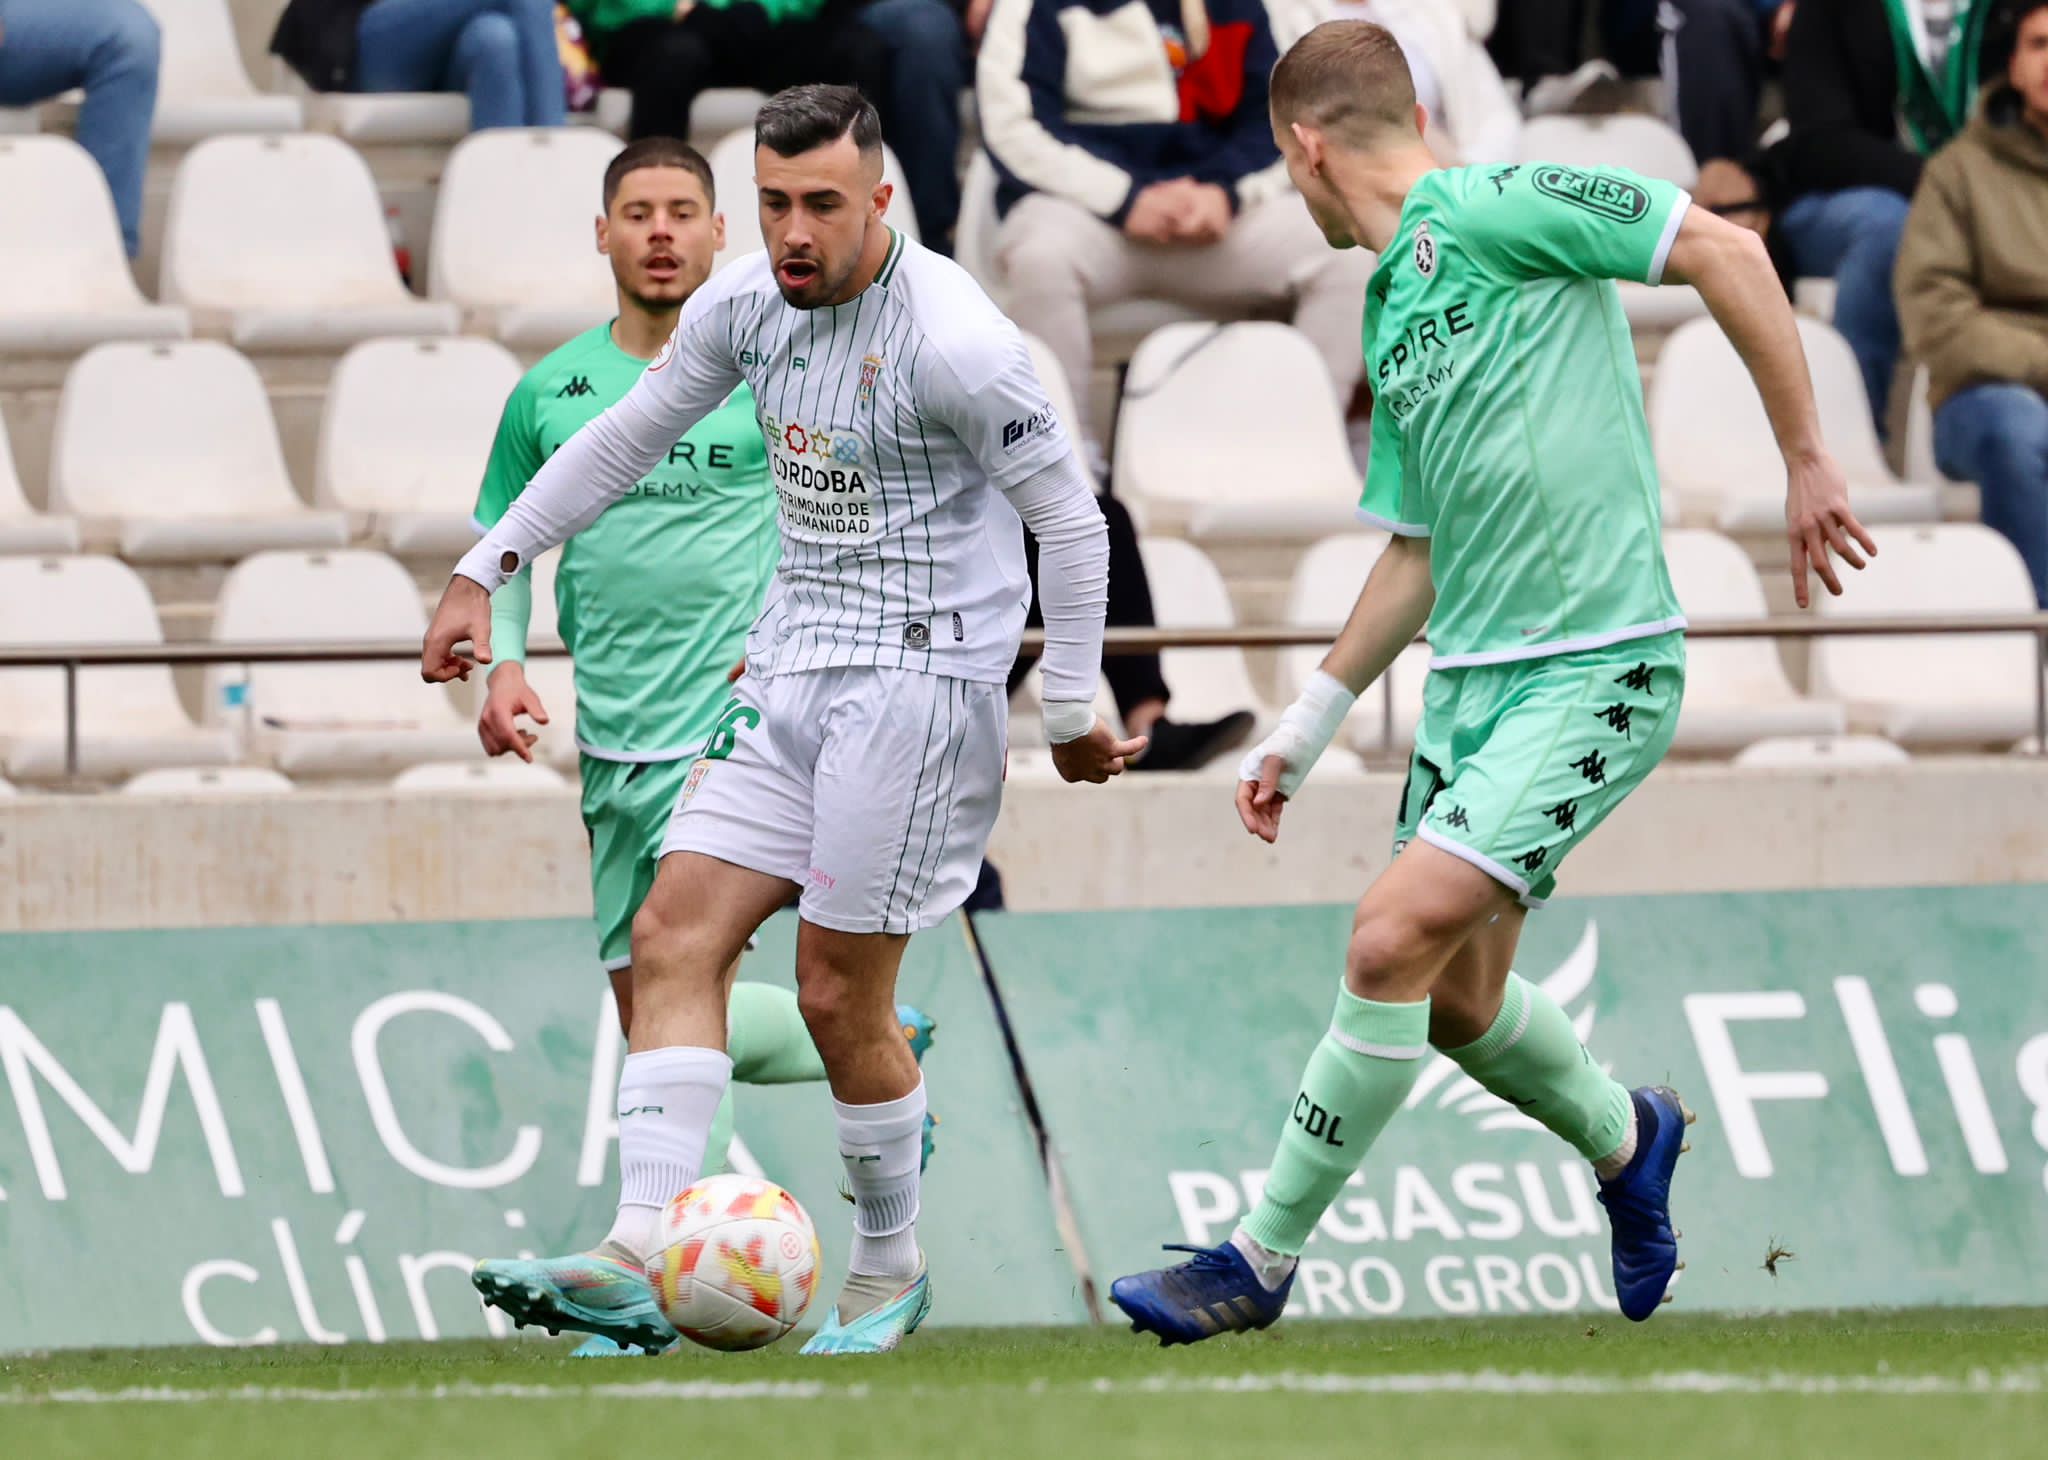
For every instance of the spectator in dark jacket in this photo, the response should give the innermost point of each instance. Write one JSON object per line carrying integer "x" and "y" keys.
{"x": 1136, "y": 159}
{"x": 1871, "y": 87}
{"x": 929, "y": 66}
{"x": 1973, "y": 294}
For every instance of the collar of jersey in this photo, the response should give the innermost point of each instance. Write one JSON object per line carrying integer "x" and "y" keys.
{"x": 890, "y": 260}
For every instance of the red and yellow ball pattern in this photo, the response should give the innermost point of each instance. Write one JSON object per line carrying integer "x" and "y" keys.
{"x": 738, "y": 1263}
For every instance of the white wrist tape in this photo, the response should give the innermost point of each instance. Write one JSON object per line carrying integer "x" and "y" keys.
{"x": 1067, "y": 720}
{"x": 1303, "y": 733}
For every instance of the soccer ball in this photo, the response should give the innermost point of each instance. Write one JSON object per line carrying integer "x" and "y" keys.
{"x": 738, "y": 1262}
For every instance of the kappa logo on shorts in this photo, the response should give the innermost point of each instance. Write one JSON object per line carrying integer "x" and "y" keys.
{"x": 1425, "y": 251}
{"x": 1593, "y": 766}
{"x": 1532, "y": 860}
{"x": 917, "y": 635}
{"x": 1565, "y": 814}
{"x": 1455, "y": 818}
{"x": 1617, "y": 717}
{"x": 1637, "y": 679}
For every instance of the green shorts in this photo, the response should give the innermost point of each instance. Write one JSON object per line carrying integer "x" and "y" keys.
{"x": 1515, "y": 763}
{"x": 626, "y": 807}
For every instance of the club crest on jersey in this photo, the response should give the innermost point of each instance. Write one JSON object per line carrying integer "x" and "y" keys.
{"x": 1425, "y": 251}
{"x": 870, "y": 370}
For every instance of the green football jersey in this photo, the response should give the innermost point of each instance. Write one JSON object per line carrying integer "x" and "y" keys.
{"x": 1508, "y": 420}
{"x": 656, "y": 596}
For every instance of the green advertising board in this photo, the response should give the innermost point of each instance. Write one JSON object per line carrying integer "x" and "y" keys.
{"x": 1870, "y": 1071}
{"x": 253, "y": 1135}
{"x": 273, "y": 1135}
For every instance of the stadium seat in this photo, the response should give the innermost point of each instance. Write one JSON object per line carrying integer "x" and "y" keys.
{"x": 405, "y": 434}
{"x": 1736, "y": 690}
{"x": 512, "y": 243}
{"x": 7, "y": 791}
{"x": 1275, "y": 464}
{"x": 129, "y": 718}
{"x": 1815, "y": 297}
{"x": 22, "y": 528}
{"x": 392, "y": 118}
{"x": 1820, "y": 752}
{"x": 227, "y": 780}
{"x": 174, "y": 445}
{"x": 1639, "y": 143}
{"x": 1713, "y": 441}
{"x": 372, "y": 718}
{"x": 1189, "y": 593}
{"x": 64, "y": 280}
{"x": 732, "y": 171}
{"x": 282, "y": 240}
{"x": 1934, "y": 690}
{"x": 1324, "y": 589}
{"x": 498, "y": 774}
{"x": 202, "y": 88}
{"x": 1059, "y": 393}
{"x": 552, "y": 677}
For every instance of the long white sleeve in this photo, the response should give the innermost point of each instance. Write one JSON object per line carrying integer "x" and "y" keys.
{"x": 688, "y": 380}
{"x": 1059, "y": 507}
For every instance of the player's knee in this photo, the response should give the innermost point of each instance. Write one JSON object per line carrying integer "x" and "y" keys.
{"x": 827, "y": 1004}
{"x": 1392, "y": 955}
{"x": 666, "y": 938}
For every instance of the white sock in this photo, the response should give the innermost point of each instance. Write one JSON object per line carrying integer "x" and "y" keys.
{"x": 1609, "y": 1167}
{"x": 1270, "y": 1266}
{"x": 667, "y": 1099}
{"x": 881, "y": 1145}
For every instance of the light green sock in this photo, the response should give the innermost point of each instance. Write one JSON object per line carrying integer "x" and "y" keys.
{"x": 1355, "y": 1081}
{"x": 766, "y": 1037}
{"x": 1532, "y": 1058}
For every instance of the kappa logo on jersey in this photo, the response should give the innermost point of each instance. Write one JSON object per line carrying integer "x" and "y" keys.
{"x": 1610, "y": 197}
{"x": 870, "y": 371}
{"x": 1040, "y": 422}
{"x": 1425, "y": 251}
{"x": 578, "y": 385}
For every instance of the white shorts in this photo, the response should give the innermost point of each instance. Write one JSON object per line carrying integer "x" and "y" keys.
{"x": 872, "y": 789}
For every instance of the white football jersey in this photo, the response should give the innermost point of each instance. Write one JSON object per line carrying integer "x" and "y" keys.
{"x": 892, "y": 423}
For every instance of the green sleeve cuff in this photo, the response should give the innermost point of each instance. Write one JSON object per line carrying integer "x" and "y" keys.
{"x": 511, "y": 611}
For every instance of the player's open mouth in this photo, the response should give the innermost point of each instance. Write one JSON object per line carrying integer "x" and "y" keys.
{"x": 797, "y": 272}
{"x": 662, "y": 266}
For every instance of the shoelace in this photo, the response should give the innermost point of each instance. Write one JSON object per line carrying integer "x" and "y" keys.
{"x": 1205, "y": 1259}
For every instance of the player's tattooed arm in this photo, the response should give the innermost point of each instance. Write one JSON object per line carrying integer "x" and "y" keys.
{"x": 1734, "y": 275}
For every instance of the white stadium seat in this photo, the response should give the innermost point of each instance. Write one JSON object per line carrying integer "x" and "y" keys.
{"x": 391, "y": 118}
{"x": 513, "y": 241}
{"x": 227, "y": 780}
{"x": 500, "y": 774}
{"x": 129, "y": 718}
{"x": 175, "y": 445}
{"x": 1736, "y": 690}
{"x": 283, "y": 240}
{"x": 1189, "y": 593}
{"x": 714, "y": 114}
{"x": 332, "y": 719}
{"x": 1821, "y": 752}
{"x": 64, "y": 279}
{"x": 202, "y": 88}
{"x": 1713, "y": 441}
{"x": 1059, "y": 393}
{"x": 732, "y": 171}
{"x": 1325, "y": 587}
{"x": 1626, "y": 139}
{"x": 7, "y": 791}
{"x": 1275, "y": 464}
{"x": 22, "y": 528}
{"x": 552, "y": 678}
{"x": 406, "y": 433}
{"x": 1934, "y": 690}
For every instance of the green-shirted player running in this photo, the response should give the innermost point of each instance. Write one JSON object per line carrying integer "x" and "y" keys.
{"x": 654, "y": 598}
{"x": 1511, "y": 462}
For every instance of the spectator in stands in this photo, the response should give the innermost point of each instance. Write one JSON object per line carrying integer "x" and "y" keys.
{"x": 1471, "y": 116}
{"x": 1136, "y": 679}
{"x": 500, "y": 53}
{"x": 928, "y": 42}
{"x": 1135, "y": 158}
{"x": 1973, "y": 296}
{"x": 108, "y": 47}
{"x": 1871, "y": 88}
{"x": 668, "y": 51}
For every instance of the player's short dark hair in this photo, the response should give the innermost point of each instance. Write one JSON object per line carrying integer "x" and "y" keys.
{"x": 794, "y": 121}
{"x": 1347, "y": 78}
{"x": 658, "y": 152}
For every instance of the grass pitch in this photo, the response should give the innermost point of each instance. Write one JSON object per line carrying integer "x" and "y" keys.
{"x": 1864, "y": 1385}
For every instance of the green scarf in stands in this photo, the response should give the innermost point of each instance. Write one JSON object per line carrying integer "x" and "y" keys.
{"x": 1935, "y": 107}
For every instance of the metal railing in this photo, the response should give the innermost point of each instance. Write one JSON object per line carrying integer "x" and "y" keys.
{"x": 72, "y": 658}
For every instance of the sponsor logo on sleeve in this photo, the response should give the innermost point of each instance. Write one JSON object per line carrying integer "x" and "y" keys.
{"x": 1604, "y": 194}
{"x": 1039, "y": 423}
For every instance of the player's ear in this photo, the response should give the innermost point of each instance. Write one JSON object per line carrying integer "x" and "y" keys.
{"x": 1421, "y": 120}
{"x": 604, "y": 235}
{"x": 1311, "y": 143}
{"x": 883, "y": 193}
{"x": 718, "y": 232}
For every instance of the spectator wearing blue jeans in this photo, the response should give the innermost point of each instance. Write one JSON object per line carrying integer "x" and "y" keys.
{"x": 1973, "y": 293}
{"x": 1861, "y": 121}
{"x": 108, "y": 47}
{"x": 928, "y": 43}
{"x": 500, "y": 53}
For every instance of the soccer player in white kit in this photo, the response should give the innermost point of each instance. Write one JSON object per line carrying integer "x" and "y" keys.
{"x": 859, "y": 766}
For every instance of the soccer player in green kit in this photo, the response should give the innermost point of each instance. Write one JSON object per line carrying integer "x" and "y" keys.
{"x": 655, "y": 598}
{"x": 1511, "y": 461}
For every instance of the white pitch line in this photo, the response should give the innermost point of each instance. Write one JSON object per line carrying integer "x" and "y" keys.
{"x": 697, "y": 1389}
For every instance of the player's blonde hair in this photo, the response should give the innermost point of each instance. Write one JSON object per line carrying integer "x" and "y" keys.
{"x": 1350, "y": 81}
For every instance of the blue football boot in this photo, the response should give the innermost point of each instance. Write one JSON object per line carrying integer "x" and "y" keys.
{"x": 1638, "y": 1202}
{"x": 1215, "y": 1291}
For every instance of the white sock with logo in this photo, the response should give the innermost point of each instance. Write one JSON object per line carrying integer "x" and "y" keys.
{"x": 1270, "y": 1267}
{"x": 883, "y": 1146}
{"x": 667, "y": 1100}
{"x": 1610, "y": 1166}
